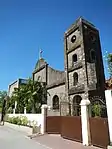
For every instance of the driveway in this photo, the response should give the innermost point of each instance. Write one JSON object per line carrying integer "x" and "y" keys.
{"x": 57, "y": 142}
{"x": 11, "y": 139}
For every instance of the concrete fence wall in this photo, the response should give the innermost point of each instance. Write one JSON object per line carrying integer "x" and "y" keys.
{"x": 39, "y": 119}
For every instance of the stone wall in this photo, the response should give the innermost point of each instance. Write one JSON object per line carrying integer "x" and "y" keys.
{"x": 81, "y": 78}
{"x": 54, "y": 76}
{"x": 71, "y": 45}
{"x": 42, "y": 74}
{"x": 59, "y": 91}
{"x": 92, "y": 79}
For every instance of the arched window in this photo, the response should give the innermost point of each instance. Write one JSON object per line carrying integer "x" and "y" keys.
{"x": 74, "y": 58}
{"x": 75, "y": 79}
{"x": 55, "y": 102}
{"x": 92, "y": 37}
{"x": 92, "y": 55}
{"x": 76, "y": 105}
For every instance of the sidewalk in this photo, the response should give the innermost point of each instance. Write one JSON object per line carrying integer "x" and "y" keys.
{"x": 22, "y": 129}
{"x": 57, "y": 142}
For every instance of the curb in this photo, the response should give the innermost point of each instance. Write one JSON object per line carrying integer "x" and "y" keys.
{"x": 35, "y": 135}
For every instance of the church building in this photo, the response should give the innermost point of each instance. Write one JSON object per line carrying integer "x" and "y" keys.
{"x": 83, "y": 76}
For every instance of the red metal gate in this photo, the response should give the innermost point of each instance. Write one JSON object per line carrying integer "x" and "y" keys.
{"x": 71, "y": 128}
{"x": 68, "y": 127}
{"x": 99, "y": 132}
{"x": 53, "y": 124}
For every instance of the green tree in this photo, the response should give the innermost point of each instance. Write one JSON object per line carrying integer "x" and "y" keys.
{"x": 109, "y": 61}
{"x": 36, "y": 94}
{"x": 31, "y": 95}
{"x": 3, "y": 94}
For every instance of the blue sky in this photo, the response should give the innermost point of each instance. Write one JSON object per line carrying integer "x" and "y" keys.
{"x": 28, "y": 25}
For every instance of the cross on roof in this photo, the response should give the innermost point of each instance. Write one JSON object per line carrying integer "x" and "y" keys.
{"x": 40, "y": 53}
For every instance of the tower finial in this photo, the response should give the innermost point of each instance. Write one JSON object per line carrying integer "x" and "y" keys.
{"x": 40, "y": 53}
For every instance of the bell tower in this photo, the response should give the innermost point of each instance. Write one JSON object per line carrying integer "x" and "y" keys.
{"x": 83, "y": 62}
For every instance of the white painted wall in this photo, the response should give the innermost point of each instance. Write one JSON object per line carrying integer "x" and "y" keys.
{"x": 108, "y": 95}
{"x": 31, "y": 117}
{"x": 39, "y": 118}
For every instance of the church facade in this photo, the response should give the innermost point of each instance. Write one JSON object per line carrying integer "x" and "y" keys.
{"x": 83, "y": 75}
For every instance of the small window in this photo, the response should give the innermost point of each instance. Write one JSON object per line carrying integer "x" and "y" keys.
{"x": 75, "y": 79}
{"x": 92, "y": 55}
{"x": 74, "y": 58}
{"x": 92, "y": 37}
{"x": 56, "y": 102}
{"x": 73, "y": 39}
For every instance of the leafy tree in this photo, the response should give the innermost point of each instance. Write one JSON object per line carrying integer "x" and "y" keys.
{"x": 36, "y": 94}
{"x": 3, "y": 94}
{"x": 109, "y": 61}
{"x": 31, "y": 95}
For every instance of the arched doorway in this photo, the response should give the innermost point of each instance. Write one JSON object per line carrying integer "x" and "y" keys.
{"x": 76, "y": 105}
{"x": 56, "y": 102}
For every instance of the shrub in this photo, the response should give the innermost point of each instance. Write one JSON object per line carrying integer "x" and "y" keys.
{"x": 16, "y": 120}
{"x": 97, "y": 110}
{"x": 19, "y": 120}
{"x": 24, "y": 120}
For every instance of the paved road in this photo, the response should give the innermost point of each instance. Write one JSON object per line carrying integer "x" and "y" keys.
{"x": 11, "y": 139}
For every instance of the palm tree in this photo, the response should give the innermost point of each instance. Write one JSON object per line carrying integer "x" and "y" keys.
{"x": 31, "y": 95}
{"x": 18, "y": 96}
{"x": 36, "y": 94}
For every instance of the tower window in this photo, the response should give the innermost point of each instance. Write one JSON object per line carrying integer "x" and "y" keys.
{"x": 92, "y": 55}
{"x": 74, "y": 58}
{"x": 75, "y": 79}
{"x": 92, "y": 37}
{"x": 73, "y": 39}
{"x": 55, "y": 102}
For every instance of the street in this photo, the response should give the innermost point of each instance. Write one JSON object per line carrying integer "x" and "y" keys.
{"x": 11, "y": 139}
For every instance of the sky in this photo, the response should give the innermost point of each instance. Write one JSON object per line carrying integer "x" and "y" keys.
{"x": 26, "y": 26}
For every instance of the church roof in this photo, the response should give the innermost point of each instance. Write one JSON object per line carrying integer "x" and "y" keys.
{"x": 41, "y": 62}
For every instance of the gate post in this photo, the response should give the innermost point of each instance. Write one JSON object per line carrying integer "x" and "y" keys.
{"x": 85, "y": 122}
{"x": 108, "y": 95}
{"x": 44, "y": 115}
